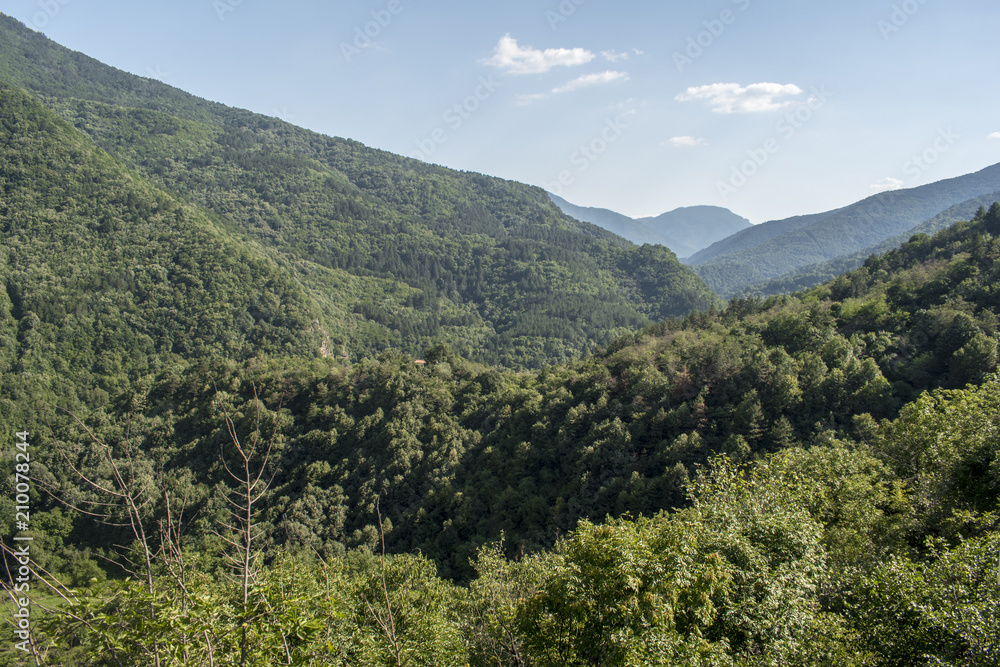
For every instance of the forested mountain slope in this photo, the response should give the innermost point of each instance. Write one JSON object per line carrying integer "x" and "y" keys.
{"x": 230, "y": 464}
{"x": 846, "y": 496}
{"x": 771, "y": 249}
{"x": 105, "y": 274}
{"x": 816, "y": 274}
{"x": 415, "y": 254}
{"x": 459, "y": 452}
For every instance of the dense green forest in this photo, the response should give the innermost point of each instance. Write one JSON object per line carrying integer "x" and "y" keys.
{"x": 577, "y": 515}
{"x": 394, "y": 253}
{"x": 210, "y": 326}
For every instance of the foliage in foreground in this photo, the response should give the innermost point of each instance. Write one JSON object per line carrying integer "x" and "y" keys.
{"x": 882, "y": 551}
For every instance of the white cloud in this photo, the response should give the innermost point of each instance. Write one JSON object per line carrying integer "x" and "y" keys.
{"x": 886, "y": 184}
{"x": 614, "y": 56}
{"x": 734, "y": 98}
{"x": 994, "y": 135}
{"x": 686, "y": 142}
{"x": 587, "y": 80}
{"x": 584, "y": 81}
{"x": 515, "y": 59}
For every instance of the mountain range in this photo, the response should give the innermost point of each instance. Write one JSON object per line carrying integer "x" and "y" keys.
{"x": 684, "y": 230}
{"x": 816, "y": 274}
{"x": 384, "y": 251}
{"x": 735, "y": 257}
{"x": 768, "y": 251}
{"x": 277, "y": 397}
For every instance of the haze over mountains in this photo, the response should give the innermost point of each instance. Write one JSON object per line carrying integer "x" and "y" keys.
{"x": 816, "y": 274}
{"x": 735, "y": 257}
{"x": 685, "y": 230}
{"x": 769, "y": 250}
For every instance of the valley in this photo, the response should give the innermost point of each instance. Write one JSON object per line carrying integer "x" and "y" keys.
{"x": 296, "y": 400}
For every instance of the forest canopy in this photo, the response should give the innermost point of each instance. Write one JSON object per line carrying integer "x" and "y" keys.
{"x": 291, "y": 400}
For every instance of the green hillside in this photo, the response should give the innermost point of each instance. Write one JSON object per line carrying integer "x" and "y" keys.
{"x": 208, "y": 387}
{"x": 460, "y": 452}
{"x": 105, "y": 275}
{"x": 816, "y": 274}
{"x": 767, "y": 251}
{"x": 845, "y": 492}
{"x": 394, "y": 252}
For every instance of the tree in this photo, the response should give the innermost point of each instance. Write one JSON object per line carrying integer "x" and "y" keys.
{"x": 992, "y": 219}
{"x": 627, "y": 593}
{"x": 251, "y": 474}
{"x": 974, "y": 361}
{"x": 491, "y": 612}
{"x": 940, "y": 610}
{"x": 770, "y": 612}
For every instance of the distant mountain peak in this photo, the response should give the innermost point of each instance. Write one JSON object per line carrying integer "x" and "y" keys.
{"x": 684, "y": 230}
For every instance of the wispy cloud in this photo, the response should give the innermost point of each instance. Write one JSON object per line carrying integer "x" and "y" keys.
{"x": 588, "y": 80}
{"x": 614, "y": 56}
{"x": 619, "y": 56}
{"x": 686, "y": 142}
{"x": 585, "y": 81}
{"x": 886, "y": 184}
{"x": 734, "y": 98}
{"x": 512, "y": 58}
{"x": 993, "y": 135}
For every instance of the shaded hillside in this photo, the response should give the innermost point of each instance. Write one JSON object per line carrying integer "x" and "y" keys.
{"x": 753, "y": 236}
{"x": 104, "y": 274}
{"x": 817, "y": 274}
{"x": 775, "y": 248}
{"x": 393, "y": 252}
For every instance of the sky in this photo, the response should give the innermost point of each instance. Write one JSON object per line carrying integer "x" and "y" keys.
{"x": 771, "y": 108}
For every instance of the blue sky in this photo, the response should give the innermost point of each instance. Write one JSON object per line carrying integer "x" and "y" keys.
{"x": 771, "y": 108}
